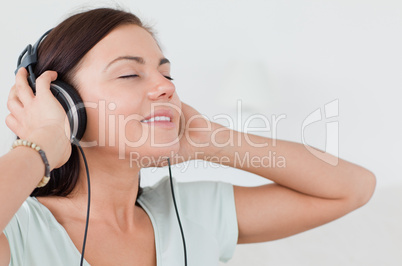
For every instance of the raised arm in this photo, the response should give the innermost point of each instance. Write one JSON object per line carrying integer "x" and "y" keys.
{"x": 307, "y": 191}
{"x": 39, "y": 119}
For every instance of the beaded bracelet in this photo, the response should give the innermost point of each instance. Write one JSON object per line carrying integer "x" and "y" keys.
{"x": 46, "y": 178}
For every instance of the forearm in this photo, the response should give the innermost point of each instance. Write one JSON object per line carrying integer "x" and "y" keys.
{"x": 21, "y": 170}
{"x": 292, "y": 165}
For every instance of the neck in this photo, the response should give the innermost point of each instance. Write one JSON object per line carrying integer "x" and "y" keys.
{"x": 114, "y": 188}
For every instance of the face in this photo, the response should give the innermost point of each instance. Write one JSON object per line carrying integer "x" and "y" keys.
{"x": 131, "y": 102}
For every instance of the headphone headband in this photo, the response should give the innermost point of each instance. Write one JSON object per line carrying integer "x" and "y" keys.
{"x": 29, "y": 58}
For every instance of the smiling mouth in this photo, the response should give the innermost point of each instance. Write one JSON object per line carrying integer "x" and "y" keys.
{"x": 157, "y": 119}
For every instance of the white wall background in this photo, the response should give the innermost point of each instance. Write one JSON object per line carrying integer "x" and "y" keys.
{"x": 310, "y": 53}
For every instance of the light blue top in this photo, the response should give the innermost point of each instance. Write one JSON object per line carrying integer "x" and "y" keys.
{"x": 207, "y": 213}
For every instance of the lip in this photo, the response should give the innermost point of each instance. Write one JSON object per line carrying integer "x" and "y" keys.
{"x": 160, "y": 112}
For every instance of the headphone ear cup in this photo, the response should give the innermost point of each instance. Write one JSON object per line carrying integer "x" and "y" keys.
{"x": 73, "y": 105}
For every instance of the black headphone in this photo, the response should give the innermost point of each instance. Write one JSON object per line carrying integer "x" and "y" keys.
{"x": 64, "y": 93}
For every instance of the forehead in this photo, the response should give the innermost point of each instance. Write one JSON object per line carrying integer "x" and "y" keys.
{"x": 126, "y": 40}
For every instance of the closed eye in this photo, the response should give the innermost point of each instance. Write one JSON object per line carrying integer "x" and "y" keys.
{"x": 134, "y": 76}
{"x": 128, "y": 76}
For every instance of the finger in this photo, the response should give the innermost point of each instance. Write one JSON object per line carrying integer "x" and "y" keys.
{"x": 22, "y": 75}
{"x": 43, "y": 82}
{"x": 22, "y": 89}
{"x": 12, "y": 123}
{"x": 15, "y": 107}
{"x": 13, "y": 94}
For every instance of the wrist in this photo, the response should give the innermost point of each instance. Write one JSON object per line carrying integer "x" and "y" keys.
{"x": 53, "y": 142}
{"x": 220, "y": 140}
{"x": 38, "y": 149}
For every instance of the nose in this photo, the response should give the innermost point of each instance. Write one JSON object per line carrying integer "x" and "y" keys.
{"x": 162, "y": 88}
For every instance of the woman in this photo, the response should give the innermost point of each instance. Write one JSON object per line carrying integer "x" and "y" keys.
{"x": 118, "y": 69}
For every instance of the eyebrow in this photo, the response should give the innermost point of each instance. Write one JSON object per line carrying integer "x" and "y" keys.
{"x": 137, "y": 59}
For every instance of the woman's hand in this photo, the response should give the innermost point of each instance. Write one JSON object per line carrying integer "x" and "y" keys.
{"x": 198, "y": 136}
{"x": 39, "y": 118}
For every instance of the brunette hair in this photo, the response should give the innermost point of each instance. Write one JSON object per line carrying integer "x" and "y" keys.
{"x": 61, "y": 51}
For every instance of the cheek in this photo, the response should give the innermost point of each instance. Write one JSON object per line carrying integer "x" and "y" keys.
{"x": 107, "y": 125}
{"x": 119, "y": 129}
{"x": 92, "y": 128}
{"x": 131, "y": 132}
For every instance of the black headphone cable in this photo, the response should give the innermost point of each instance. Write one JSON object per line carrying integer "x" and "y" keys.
{"x": 177, "y": 214}
{"x": 88, "y": 204}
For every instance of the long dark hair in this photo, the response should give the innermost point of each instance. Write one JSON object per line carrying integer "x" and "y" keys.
{"x": 61, "y": 51}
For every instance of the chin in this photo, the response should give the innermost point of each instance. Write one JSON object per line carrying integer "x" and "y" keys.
{"x": 164, "y": 150}
{"x": 151, "y": 156}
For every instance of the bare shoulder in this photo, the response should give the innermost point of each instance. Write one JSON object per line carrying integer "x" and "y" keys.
{"x": 62, "y": 208}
